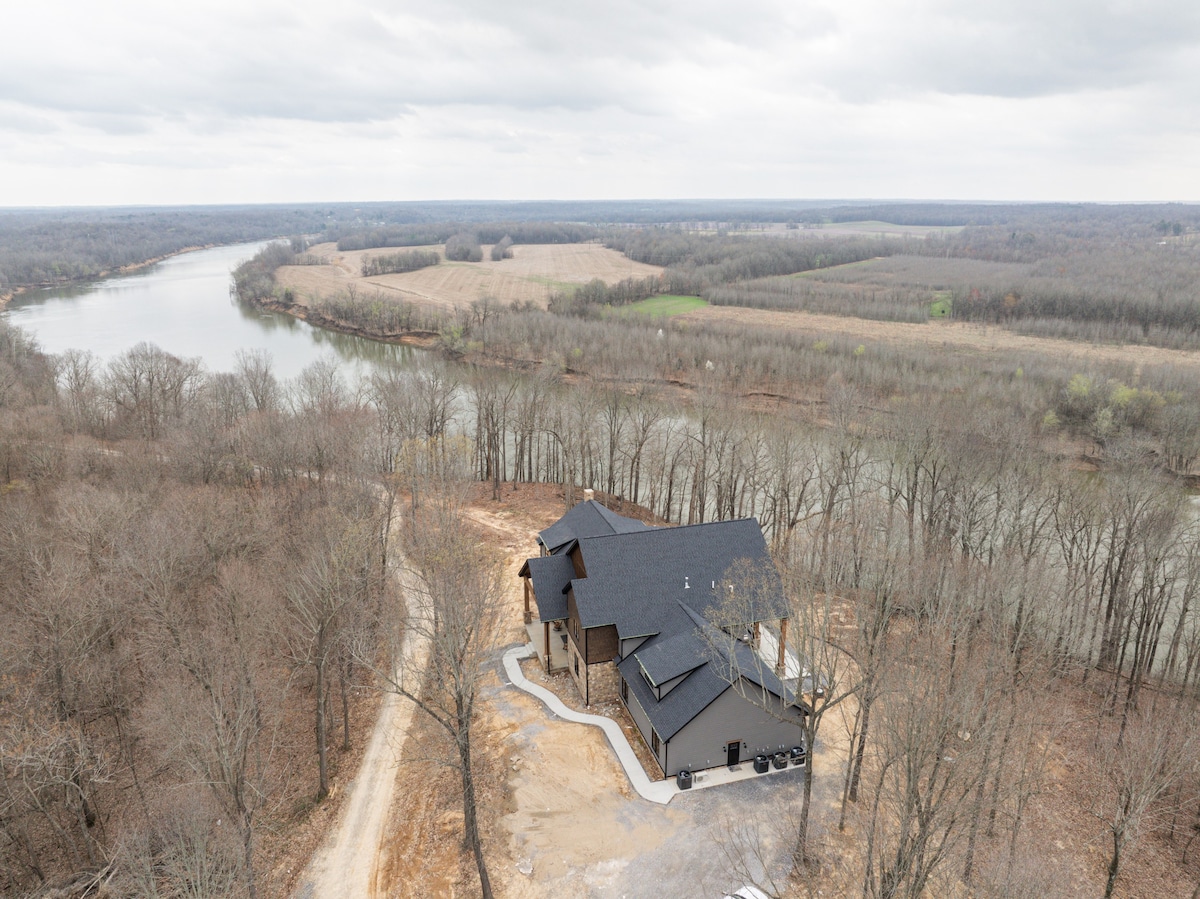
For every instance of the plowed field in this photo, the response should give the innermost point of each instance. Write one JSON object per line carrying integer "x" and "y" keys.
{"x": 531, "y": 275}
{"x": 939, "y": 335}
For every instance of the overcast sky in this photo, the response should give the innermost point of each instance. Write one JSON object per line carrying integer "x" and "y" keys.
{"x": 214, "y": 101}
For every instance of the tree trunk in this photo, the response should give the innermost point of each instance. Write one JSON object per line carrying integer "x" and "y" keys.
{"x": 856, "y": 777}
{"x": 1113, "y": 867}
{"x": 322, "y": 753}
{"x": 248, "y": 857}
{"x": 801, "y": 854}
{"x": 345, "y": 685}
{"x": 470, "y": 819}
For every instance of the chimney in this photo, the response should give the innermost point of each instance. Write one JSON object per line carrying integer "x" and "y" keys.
{"x": 588, "y": 494}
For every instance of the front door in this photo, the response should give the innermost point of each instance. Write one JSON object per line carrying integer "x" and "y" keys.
{"x": 733, "y": 752}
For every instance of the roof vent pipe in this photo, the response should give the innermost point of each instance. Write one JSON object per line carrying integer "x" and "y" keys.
{"x": 686, "y": 585}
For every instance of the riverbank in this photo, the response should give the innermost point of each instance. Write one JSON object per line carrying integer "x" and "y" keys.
{"x": 8, "y": 295}
{"x": 416, "y": 338}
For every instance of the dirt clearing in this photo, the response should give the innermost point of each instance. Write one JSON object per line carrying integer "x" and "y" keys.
{"x": 530, "y": 276}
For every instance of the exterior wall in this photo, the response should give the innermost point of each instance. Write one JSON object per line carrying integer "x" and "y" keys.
{"x": 665, "y": 688}
{"x": 642, "y": 722}
{"x": 577, "y": 561}
{"x": 595, "y": 683}
{"x": 577, "y": 667}
{"x": 601, "y": 643}
{"x": 702, "y": 742}
{"x": 631, "y": 644}
{"x": 573, "y": 627}
{"x": 604, "y": 682}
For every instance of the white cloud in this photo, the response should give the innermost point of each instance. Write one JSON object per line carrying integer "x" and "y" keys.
{"x": 212, "y": 101}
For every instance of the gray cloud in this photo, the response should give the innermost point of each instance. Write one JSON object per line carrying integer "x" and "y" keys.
{"x": 660, "y": 97}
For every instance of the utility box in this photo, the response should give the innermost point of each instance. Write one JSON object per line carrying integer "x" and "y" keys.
{"x": 683, "y": 780}
{"x": 799, "y": 756}
{"x": 781, "y": 760}
{"x": 761, "y": 764}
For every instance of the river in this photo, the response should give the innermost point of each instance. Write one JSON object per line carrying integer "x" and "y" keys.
{"x": 183, "y": 304}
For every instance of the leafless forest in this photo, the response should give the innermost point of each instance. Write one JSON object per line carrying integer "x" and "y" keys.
{"x": 990, "y": 556}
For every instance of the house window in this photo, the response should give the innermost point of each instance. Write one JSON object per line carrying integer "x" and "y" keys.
{"x": 655, "y": 745}
{"x": 625, "y": 689}
{"x": 577, "y": 666}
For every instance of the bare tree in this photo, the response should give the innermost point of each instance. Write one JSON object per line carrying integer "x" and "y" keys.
{"x": 816, "y": 674}
{"x": 1142, "y": 763}
{"x": 334, "y": 587}
{"x": 454, "y": 594}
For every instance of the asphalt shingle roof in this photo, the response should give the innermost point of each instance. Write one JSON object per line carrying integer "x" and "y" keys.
{"x": 636, "y": 581}
{"x": 722, "y": 662}
{"x": 670, "y": 584}
{"x": 670, "y": 714}
{"x": 587, "y": 519}
{"x": 550, "y": 576}
{"x": 668, "y": 658}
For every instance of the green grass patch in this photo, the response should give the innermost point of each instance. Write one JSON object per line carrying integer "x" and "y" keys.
{"x": 942, "y": 305}
{"x": 666, "y": 305}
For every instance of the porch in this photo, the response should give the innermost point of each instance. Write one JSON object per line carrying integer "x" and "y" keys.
{"x": 539, "y": 632}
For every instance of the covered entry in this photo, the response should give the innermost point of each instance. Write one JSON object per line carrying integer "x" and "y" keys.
{"x": 733, "y": 752}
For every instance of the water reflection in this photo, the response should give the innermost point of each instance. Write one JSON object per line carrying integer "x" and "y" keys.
{"x": 183, "y": 305}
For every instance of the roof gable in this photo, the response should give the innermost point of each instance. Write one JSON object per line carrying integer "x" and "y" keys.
{"x": 587, "y": 519}
{"x": 551, "y": 576}
{"x": 637, "y": 580}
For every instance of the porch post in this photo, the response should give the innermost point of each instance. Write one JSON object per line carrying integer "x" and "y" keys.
{"x": 757, "y": 637}
{"x": 528, "y": 615}
{"x": 546, "y": 643}
{"x": 781, "y": 664}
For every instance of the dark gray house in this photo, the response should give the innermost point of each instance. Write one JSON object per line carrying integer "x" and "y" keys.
{"x": 643, "y": 616}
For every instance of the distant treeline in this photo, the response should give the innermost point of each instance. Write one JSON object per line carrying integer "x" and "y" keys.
{"x": 40, "y": 246}
{"x": 395, "y": 263}
{"x": 720, "y": 259}
{"x": 58, "y": 246}
{"x": 419, "y": 235}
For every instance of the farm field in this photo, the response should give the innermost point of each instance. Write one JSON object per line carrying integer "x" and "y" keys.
{"x": 920, "y": 271}
{"x": 666, "y": 305}
{"x": 885, "y": 229}
{"x": 534, "y": 272}
{"x": 960, "y": 336}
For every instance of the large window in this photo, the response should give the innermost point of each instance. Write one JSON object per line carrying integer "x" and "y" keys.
{"x": 654, "y": 744}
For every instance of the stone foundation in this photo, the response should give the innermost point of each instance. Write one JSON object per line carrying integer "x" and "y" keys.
{"x": 604, "y": 682}
{"x": 600, "y": 682}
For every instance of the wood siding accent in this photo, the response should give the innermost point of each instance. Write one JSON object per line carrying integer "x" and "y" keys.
{"x": 577, "y": 561}
{"x": 601, "y": 644}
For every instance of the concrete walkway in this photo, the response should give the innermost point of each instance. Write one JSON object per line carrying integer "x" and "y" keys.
{"x": 662, "y": 791}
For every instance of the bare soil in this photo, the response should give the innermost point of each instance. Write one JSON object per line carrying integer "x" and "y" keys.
{"x": 534, "y": 272}
{"x": 941, "y": 335}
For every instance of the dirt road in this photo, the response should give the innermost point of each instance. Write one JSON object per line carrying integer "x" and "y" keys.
{"x": 346, "y": 866}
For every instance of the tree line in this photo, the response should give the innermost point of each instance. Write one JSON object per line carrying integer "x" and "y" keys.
{"x": 394, "y": 263}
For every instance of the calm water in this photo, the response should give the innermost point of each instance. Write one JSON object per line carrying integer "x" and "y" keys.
{"x": 183, "y": 305}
